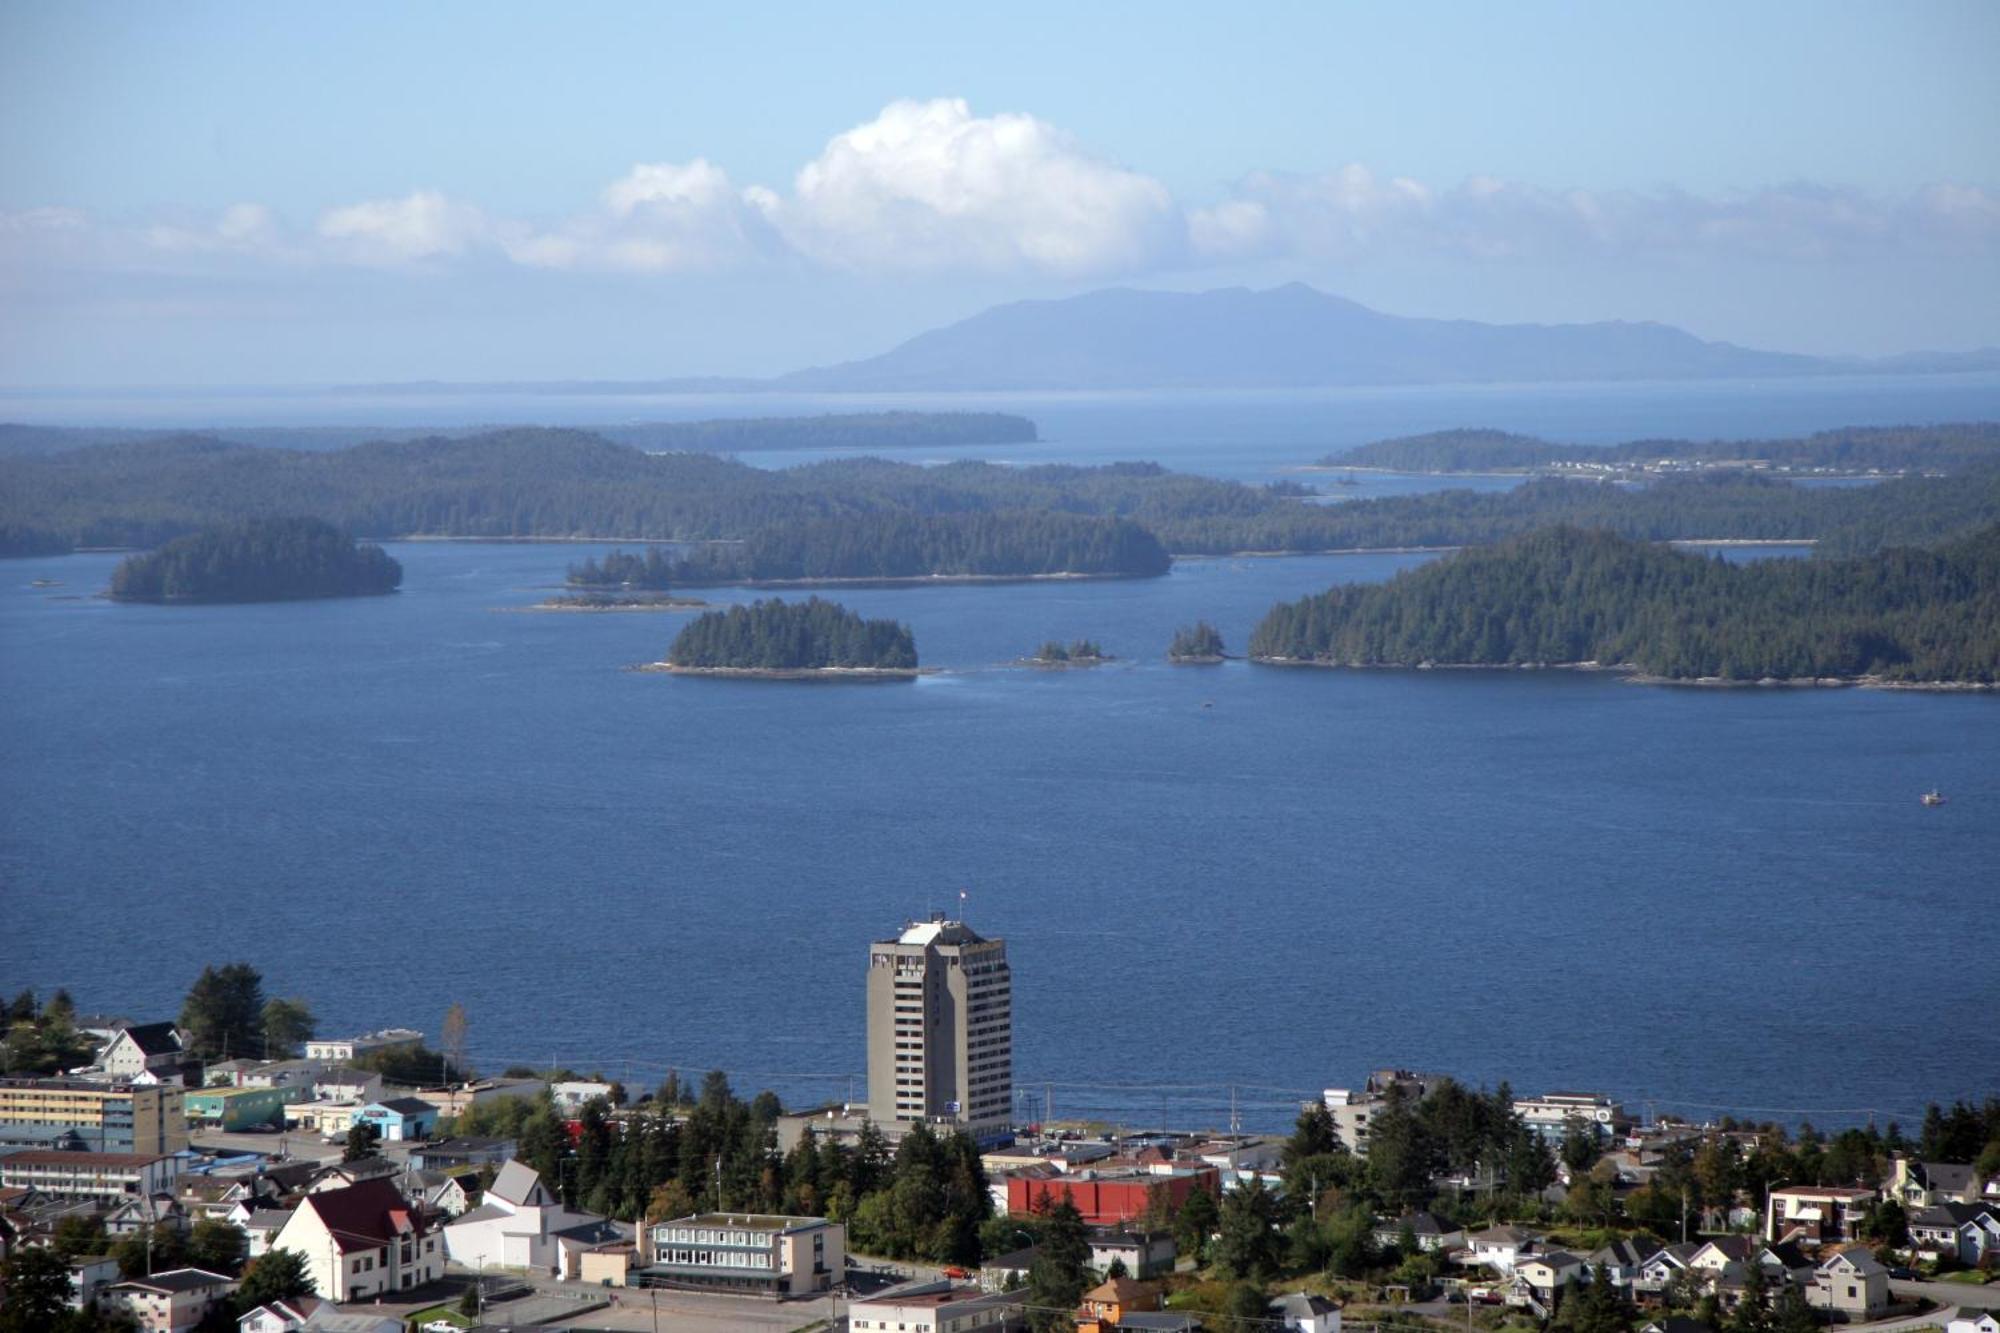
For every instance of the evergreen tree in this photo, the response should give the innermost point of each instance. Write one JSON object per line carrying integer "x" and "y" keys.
{"x": 224, "y": 1012}
{"x": 1060, "y": 1274}
{"x": 287, "y": 1024}
{"x": 363, "y": 1141}
{"x": 1194, "y": 1226}
{"x": 275, "y": 1275}
{"x": 36, "y": 1282}
{"x": 1248, "y": 1245}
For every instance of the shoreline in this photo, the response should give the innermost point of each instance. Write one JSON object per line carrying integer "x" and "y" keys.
{"x": 857, "y": 675}
{"x": 561, "y": 607}
{"x": 1631, "y": 675}
{"x": 917, "y": 580}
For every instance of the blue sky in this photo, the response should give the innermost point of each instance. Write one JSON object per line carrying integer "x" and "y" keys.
{"x": 237, "y": 194}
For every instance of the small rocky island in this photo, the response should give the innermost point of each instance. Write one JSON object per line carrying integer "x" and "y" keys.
{"x": 1199, "y": 644}
{"x": 258, "y": 560}
{"x": 1081, "y": 653}
{"x": 778, "y": 640}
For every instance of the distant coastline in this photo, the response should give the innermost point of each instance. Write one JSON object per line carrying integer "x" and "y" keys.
{"x": 857, "y": 675}
{"x": 1632, "y": 675}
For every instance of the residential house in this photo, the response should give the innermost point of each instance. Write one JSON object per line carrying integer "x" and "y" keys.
{"x": 1547, "y": 1273}
{"x": 279, "y": 1316}
{"x": 1663, "y": 1268}
{"x": 148, "y": 1213}
{"x": 1988, "y": 1322}
{"x": 1965, "y": 1232}
{"x": 1502, "y": 1247}
{"x": 88, "y": 1275}
{"x": 444, "y": 1194}
{"x": 1106, "y": 1306}
{"x": 1304, "y": 1312}
{"x": 1145, "y": 1254}
{"x": 938, "y": 1307}
{"x": 363, "y": 1240}
{"x": 1850, "y": 1286}
{"x": 110, "y": 1176}
{"x": 1622, "y": 1259}
{"x": 1722, "y": 1256}
{"x": 745, "y": 1252}
{"x": 1010, "y": 1269}
{"x": 171, "y": 1302}
{"x": 262, "y": 1227}
{"x": 399, "y": 1119}
{"x": 1431, "y": 1233}
{"x": 144, "y": 1048}
{"x": 1917, "y": 1184}
{"x": 339, "y": 1175}
{"x": 1817, "y": 1215}
{"x": 1677, "y": 1323}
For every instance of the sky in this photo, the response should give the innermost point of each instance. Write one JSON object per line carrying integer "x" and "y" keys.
{"x": 217, "y": 194}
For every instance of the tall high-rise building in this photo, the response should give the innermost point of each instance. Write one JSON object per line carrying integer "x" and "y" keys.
{"x": 941, "y": 1029}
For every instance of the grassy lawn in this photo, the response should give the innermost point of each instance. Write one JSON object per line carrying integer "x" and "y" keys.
{"x": 1971, "y": 1277}
{"x": 446, "y": 1312}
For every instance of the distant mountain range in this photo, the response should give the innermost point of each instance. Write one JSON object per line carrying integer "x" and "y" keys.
{"x": 1286, "y": 338}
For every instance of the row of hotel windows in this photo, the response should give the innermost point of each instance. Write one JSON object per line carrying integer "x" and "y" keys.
{"x": 711, "y": 1259}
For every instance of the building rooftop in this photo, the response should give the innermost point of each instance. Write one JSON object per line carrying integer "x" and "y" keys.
{"x": 746, "y": 1221}
{"x": 103, "y": 1161}
{"x": 177, "y": 1279}
{"x": 938, "y": 930}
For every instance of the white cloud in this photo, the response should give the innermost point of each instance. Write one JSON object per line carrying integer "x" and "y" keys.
{"x": 929, "y": 185}
{"x": 1351, "y": 213}
{"x": 421, "y": 225}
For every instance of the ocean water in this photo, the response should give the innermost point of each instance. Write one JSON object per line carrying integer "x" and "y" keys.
{"x": 1214, "y": 882}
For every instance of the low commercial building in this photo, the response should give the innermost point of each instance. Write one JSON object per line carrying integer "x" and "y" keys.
{"x": 107, "y": 1117}
{"x": 234, "y": 1109}
{"x": 343, "y": 1049}
{"x": 1554, "y": 1114}
{"x": 327, "y": 1118}
{"x": 1114, "y": 1197}
{"x": 110, "y": 1176}
{"x": 754, "y": 1253}
{"x": 170, "y": 1302}
{"x": 399, "y": 1118}
{"x": 938, "y": 1307}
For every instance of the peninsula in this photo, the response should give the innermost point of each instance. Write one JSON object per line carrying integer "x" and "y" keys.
{"x": 781, "y": 640}
{"x": 259, "y": 560}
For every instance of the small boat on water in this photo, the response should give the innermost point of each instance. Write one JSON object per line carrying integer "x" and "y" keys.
{"x": 1348, "y": 480}
{"x": 1934, "y": 797}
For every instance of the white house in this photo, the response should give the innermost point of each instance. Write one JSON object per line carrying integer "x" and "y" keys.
{"x": 143, "y": 1048}
{"x": 1501, "y": 1247}
{"x": 1989, "y": 1322}
{"x": 169, "y": 1302}
{"x": 523, "y": 1224}
{"x": 363, "y": 1240}
{"x": 1303, "y": 1312}
{"x": 1851, "y": 1286}
{"x": 570, "y": 1096}
{"x": 279, "y": 1316}
{"x": 1430, "y": 1233}
{"x": 346, "y": 1048}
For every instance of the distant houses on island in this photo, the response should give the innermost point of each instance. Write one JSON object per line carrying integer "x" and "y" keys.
{"x": 286, "y": 1192}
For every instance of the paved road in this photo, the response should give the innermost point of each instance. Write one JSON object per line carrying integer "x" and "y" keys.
{"x": 1952, "y": 1293}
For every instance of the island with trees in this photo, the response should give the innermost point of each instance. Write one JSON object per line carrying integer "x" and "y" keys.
{"x": 1199, "y": 644}
{"x": 1057, "y": 655}
{"x": 809, "y": 640}
{"x": 1849, "y": 451}
{"x": 874, "y": 518}
{"x": 1570, "y": 597}
{"x": 257, "y": 560}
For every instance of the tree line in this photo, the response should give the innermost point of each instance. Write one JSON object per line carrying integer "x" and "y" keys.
{"x": 779, "y": 635}
{"x": 1946, "y": 448}
{"x": 257, "y": 560}
{"x": 1567, "y": 595}
{"x": 573, "y": 484}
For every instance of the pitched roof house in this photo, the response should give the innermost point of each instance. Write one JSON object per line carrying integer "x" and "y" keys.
{"x": 363, "y": 1240}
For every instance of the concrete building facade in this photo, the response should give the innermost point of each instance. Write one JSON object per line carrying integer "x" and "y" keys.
{"x": 108, "y": 1117}
{"x": 941, "y": 1030}
{"x": 744, "y": 1252}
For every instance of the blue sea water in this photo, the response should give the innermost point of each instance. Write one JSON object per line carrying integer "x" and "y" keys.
{"x": 1214, "y": 881}
{"x": 1276, "y": 879}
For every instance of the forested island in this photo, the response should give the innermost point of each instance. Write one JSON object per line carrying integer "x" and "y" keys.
{"x": 1080, "y": 653}
{"x": 1199, "y": 643}
{"x": 793, "y": 640}
{"x": 844, "y": 430}
{"x": 259, "y": 560}
{"x": 804, "y": 522}
{"x": 616, "y": 599}
{"x": 1854, "y": 450}
{"x": 1571, "y": 597}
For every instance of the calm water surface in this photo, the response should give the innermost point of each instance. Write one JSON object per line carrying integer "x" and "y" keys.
{"x": 1276, "y": 878}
